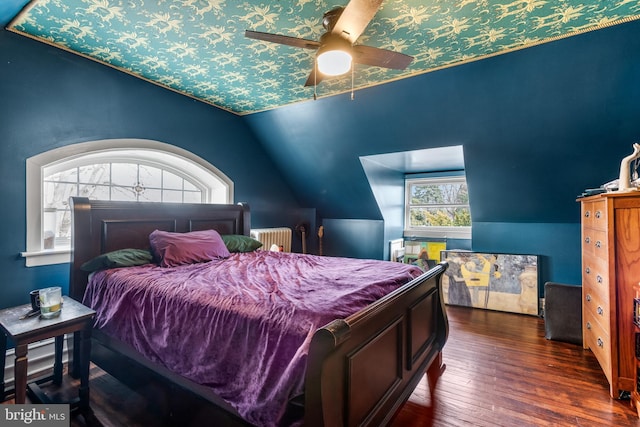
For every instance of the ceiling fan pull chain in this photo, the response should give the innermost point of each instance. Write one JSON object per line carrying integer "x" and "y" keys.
{"x": 315, "y": 80}
{"x": 352, "y": 74}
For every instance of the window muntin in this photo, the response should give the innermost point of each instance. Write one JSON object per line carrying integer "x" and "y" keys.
{"x": 437, "y": 207}
{"x": 118, "y": 169}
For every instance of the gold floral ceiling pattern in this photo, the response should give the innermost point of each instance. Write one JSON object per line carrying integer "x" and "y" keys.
{"x": 198, "y": 48}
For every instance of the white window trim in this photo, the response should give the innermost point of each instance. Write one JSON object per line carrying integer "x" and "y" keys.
{"x": 433, "y": 232}
{"x": 35, "y": 255}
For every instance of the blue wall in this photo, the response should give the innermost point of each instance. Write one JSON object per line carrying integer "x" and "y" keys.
{"x": 51, "y": 98}
{"x": 537, "y": 125}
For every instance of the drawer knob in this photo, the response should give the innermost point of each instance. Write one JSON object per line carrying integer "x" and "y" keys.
{"x": 600, "y": 342}
{"x": 598, "y": 214}
{"x": 589, "y": 325}
{"x": 600, "y": 311}
{"x": 599, "y": 278}
{"x": 588, "y": 297}
{"x": 598, "y": 244}
{"x": 587, "y": 239}
{"x": 587, "y": 270}
{"x": 587, "y": 214}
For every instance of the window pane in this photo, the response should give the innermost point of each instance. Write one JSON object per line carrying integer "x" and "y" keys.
{"x": 56, "y": 226}
{"x": 189, "y": 186}
{"x": 438, "y": 194}
{"x": 96, "y": 192}
{"x": 86, "y": 190}
{"x": 171, "y": 196}
{"x": 150, "y": 196}
{"x": 150, "y": 177}
{"x": 440, "y": 217}
{"x": 64, "y": 224}
{"x": 56, "y": 195}
{"x": 171, "y": 181}
{"x": 125, "y": 174}
{"x": 95, "y": 174}
{"x": 50, "y": 224}
{"x": 123, "y": 194}
{"x": 192, "y": 197}
{"x": 70, "y": 175}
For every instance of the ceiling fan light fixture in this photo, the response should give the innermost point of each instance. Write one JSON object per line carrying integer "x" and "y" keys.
{"x": 334, "y": 57}
{"x": 334, "y": 62}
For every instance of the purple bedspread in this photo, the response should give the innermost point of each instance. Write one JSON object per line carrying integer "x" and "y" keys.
{"x": 242, "y": 325}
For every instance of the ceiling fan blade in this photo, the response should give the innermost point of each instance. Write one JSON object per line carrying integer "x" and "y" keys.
{"x": 355, "y": 17}
{"x": 286, "y": 40}
{"x": 377, "y": 57}
{"x": 314, "y": 78}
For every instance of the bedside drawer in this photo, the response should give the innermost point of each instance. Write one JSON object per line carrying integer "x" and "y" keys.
{"x": 600, "y": 344}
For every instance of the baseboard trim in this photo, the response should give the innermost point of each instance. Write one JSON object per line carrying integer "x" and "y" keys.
{"x": 40, "y": 355}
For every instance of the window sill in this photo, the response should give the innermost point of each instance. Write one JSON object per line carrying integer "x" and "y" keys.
{"x": 439, "y": 234}
{"x": 46, "y": 257}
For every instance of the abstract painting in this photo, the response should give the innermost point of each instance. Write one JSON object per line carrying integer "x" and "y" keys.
{"x": 501, "y": 282}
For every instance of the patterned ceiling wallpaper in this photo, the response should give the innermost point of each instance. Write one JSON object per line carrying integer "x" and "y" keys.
{"x": 198, "y": 48}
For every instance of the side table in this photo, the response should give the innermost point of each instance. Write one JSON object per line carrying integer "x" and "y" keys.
{"x": 74, "y": 317}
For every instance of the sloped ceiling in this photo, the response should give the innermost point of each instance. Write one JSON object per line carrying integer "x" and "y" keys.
{"x": 198, "y": 48}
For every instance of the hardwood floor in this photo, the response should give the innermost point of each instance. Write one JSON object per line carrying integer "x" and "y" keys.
{"x": 500, "y": 371}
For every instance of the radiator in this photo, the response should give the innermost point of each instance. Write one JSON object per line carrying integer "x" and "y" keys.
{"x": 280, "y": 236}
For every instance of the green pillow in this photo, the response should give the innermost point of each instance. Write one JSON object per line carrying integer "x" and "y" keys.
{"x": 119, "y": 258}
{"x": 240, "y": 243}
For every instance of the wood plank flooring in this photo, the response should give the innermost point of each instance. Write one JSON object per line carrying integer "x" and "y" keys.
{"x": 500, "y": 371}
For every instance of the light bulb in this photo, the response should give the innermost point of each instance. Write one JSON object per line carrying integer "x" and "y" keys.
{"x": 334, "y": 62}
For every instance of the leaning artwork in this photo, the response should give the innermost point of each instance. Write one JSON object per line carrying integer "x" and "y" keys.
{"x": 502, "y": 282}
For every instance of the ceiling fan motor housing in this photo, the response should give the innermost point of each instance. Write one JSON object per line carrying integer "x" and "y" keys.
{"x": 330, "y": 18}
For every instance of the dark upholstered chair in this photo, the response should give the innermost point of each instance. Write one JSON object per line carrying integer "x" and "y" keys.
{"x": 563, "y": 312}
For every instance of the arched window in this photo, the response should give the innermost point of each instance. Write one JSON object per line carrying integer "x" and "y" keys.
{"x": 123, "y": 169}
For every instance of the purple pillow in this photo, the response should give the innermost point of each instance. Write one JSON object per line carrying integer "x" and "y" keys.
{"x": 173, "y": 249}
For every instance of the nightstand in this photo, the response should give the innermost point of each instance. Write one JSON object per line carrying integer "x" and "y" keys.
{"x": 74, "y": 318}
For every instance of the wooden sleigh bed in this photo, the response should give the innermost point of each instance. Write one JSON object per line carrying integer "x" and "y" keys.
{"x": 359, "y": 369}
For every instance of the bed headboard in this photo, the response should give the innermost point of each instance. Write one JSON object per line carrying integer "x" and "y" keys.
{"x": 99, "y": 226}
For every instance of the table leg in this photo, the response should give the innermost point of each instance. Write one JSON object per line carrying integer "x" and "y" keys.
{"x": 20, "y": 369}
{"x": 3, "y": 356}
{"x": 57, "y": 364}
{"x": 83, "y": 365}
{"x": 74, "y": 357}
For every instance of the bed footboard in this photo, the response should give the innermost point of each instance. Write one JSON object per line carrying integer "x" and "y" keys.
{"x": 363, "y": 368}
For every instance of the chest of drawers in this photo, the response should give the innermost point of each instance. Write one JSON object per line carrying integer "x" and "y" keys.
{"x": 610, "y": 270}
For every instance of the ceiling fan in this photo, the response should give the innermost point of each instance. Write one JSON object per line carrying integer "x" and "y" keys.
{"x": 336, "y": 50}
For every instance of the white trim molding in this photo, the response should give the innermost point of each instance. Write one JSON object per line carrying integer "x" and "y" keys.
{"x": 41, "y": 356}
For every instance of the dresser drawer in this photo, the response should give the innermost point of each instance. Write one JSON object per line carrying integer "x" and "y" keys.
{"x": 594, "y": 242}
{"x": 594, "y": 214}
{"x": 599, "y": 342}
{"x": 597, "y": 309}
{"x": 595, "y": 275}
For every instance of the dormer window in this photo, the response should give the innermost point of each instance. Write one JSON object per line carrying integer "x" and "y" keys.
{"x": 437, "y": 207}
